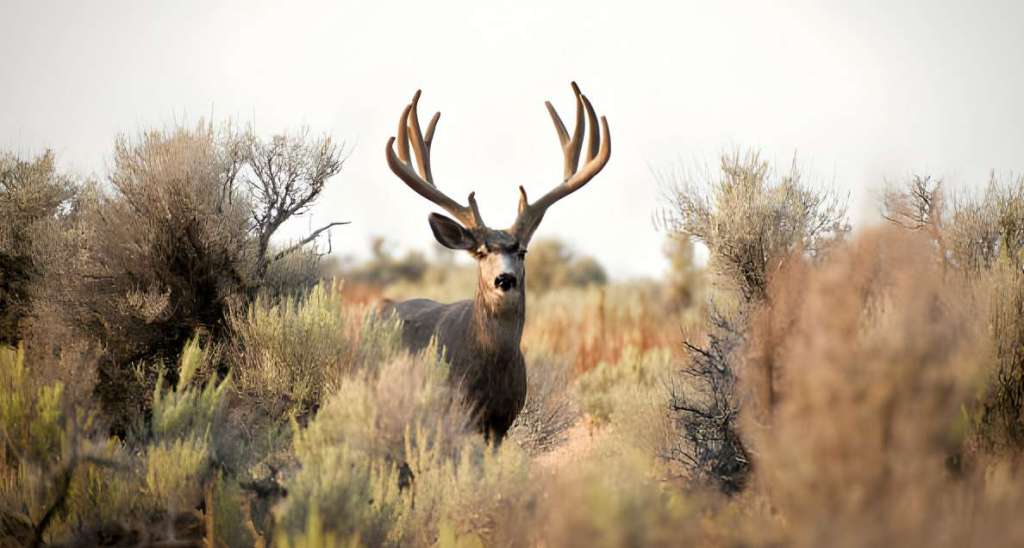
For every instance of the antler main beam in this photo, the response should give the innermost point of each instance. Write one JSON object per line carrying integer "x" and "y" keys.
{"x": 598, "y": 149}
{"x": 421, "y": 180}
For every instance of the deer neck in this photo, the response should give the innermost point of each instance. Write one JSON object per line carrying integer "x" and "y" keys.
{"x": 498, "y": 320}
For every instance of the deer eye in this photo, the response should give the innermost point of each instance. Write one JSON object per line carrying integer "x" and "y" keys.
{"x": 521, "y": 253}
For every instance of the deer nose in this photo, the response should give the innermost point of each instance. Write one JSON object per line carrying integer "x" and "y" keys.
{"x": 505, "y": 282}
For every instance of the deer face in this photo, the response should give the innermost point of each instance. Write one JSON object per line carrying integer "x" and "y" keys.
{"x": 501, "y": 257}
{"x": 500, "y": 253}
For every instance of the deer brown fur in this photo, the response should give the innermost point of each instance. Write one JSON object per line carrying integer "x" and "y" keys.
{"x": 481, "y": 337}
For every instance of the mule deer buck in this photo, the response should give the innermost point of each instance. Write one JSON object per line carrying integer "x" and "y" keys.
{"x": 480, "y": 337}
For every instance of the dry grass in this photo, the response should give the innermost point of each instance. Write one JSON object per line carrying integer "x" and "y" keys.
{"x": 597, "y": 325}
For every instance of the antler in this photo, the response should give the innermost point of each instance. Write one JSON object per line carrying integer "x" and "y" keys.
{"x": 598, "y": 152}
{"x": 423, "y": 182}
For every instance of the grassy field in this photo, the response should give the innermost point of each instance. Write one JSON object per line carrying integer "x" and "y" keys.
{"x": 167, "y": 379}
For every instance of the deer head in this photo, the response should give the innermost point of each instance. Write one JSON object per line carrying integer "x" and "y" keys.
{"x": 499, "y": 253}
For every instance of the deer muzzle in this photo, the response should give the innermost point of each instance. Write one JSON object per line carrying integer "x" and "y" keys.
{"x": 505, "y": 282}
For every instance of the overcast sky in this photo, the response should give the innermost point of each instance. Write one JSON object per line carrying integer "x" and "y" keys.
{"x": 861, "y": 92}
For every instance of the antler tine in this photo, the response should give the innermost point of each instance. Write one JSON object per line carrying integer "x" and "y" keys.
{"x": 592, "y": 142}
{"x": 599, "y": 150}
{"x": 576, "y": 144}
{"x": 403, "y": 134}
{"x": 570, "y": 146}
{"x": 421, "y": 149}
{"x": 430, "y": 128}
{"x": 423, "y": 182}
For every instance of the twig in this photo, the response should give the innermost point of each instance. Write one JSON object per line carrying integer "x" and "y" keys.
{"x": 307, "y": 239}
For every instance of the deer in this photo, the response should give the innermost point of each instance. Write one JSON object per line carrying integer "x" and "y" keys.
{"x": 480, "y": 337}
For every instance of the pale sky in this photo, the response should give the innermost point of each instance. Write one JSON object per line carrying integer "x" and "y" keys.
{"x": 861, "y": 92}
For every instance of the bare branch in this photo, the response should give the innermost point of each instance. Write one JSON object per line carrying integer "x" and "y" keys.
{"x": 314, "y": 235}
{"x": 286, "y": 176}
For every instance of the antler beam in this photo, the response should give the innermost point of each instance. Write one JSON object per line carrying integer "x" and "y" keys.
{"x": 598, "y": 149}
{"x": 420, "y": 179}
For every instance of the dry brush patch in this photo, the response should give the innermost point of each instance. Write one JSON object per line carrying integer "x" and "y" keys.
{"x": 876, "y": 355}
{"x": 858, "y": 381}
{"x": 860, "y": 384}
{"x": 123, "y": 273}
{"x": 752, "y": 218}
{"x": 875, "y": 388}
{"x": 982, "y": 239}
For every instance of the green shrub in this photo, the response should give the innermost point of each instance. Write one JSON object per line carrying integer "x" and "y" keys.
{"x": 228, "y": 515}
{"x": 551, "y": 263}
{"x": 357, "y": 497}
{"x": 30, "y": 416}
{"x": 473, "y": 499}
{"x": 612, "y": 499}
{"x": 188, "y": 410}
{"x": 314, "y": 536}
{"x": 604, "y": 387}
{"x": 290, "y": 354}
{"x": 32, "y": 425}
{"x": 45, "y": 456}
{"x": 383, "y": 268}
{"x": 175, "y": 472}
{"x": 391, "y": 455}
{"x": 61, "y": 476}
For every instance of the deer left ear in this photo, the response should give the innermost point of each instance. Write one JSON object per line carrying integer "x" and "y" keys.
{"x": 450, "y": 233}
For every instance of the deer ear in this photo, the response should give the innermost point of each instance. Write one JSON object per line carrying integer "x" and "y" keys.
{"x": 450, "y": 233}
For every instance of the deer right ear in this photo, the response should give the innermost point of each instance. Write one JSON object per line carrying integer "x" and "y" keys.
{"x": 450, "y": 233}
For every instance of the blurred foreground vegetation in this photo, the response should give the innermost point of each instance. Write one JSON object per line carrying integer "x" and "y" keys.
{"x": 168, "y": 377}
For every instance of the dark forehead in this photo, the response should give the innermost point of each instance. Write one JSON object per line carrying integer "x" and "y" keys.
{"x": 499, "y": 239}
